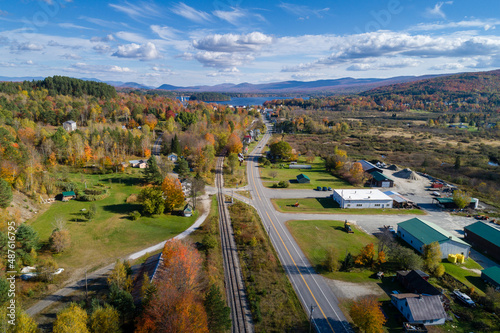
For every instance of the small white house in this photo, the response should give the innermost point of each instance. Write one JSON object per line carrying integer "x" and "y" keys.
{"x": 173, "y": 157}
{"x": 427, "y": 310}
{"x": 417, "y": 233}
{"x": 361, "y": 198}
{"x": 141, "y": 164}
{"x": 69, "y": 125}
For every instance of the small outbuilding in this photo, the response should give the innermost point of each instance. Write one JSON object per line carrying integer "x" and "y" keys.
{"x": 69, "y": 125}
{"x": 172, "y": 157}
{"x": 188, "y": 211}
{"x": 299, "y": 166}
{"x": 417, "y": 233}
{"x": 67, "y": 196}
{"x": 303, "y": 179}
{"x": 492, "y": 276}
{"x": 361, "y": 198}
{"x": 485, "y": 237}
{"x": 399, "y": 200}
{"x": 380, "y": 180}
{"x": 141, "y": 164}
{"x": 448, "y": 203}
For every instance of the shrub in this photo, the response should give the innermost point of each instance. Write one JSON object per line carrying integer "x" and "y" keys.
{"x": 135, "y": 215}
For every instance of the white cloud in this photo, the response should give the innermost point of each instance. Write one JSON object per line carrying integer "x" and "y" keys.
{"x": 71, "y": 56}
{"x": 105, "y": 39}
{"x": 130, "y": 36}
{"x": 303, "y": 12}
{"x": 29, "y": 62}
{"x": 436, "y": 11}
{"x": 83, "y": 67}
{"x": 146, "y": 51}
{"x": 447, "y": 67}
{"x": 237, "y": 16}
{"x": 190, "y": 13}
{"x": 101, "y": 48}
{"x": 465, "y": 24}
{"x": 222, "y": 60}
{"x": 233, "y": 43}
{"x": 26, "y": 46}
{"x": 143, "y": 10}
{"x": 233, "y": 71}
{"x": 165, "y": 32}
{"x": 73, "y": 26}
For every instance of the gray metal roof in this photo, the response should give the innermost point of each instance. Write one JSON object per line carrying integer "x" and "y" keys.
{"x": 425, "y": 307}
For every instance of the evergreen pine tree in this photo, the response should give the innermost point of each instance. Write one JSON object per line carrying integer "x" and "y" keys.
{"x": 176, "y": 146}
{"x": 219, "y": 319}
{"x": 152, "y": 173}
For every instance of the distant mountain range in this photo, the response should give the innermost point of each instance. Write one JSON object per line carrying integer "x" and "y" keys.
{"x": 343, "y": 85}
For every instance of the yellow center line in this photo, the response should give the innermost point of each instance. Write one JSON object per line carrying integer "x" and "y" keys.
{"x": 295, "y": 264}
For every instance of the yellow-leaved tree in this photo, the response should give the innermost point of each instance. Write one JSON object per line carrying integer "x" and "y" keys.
{"x": 172, "y": 192}
{"x": 72, "y": 319}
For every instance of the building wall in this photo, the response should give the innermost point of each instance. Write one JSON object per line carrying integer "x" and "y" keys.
{"x": 403, "y": 307}
{"x": 482, "y": 244}
{"x": 449, "y": 247}
{"x": 362, "y": 203}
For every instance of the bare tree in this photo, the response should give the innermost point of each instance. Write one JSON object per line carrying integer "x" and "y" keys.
{"x": 273, "y": 174}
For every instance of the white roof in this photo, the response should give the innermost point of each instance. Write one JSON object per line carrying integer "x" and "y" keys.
{"x": 361, "y": 194}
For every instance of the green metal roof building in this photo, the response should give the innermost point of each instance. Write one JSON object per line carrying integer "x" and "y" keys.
{"x": 303, "y": 178}
{"x": 484, "y": 237}
{"x": 417, "y": 233}
{"x": 492, "y": 276}
{"x": 381, "y": 180}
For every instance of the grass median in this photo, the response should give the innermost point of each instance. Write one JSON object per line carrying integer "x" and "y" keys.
{"x": 329, "y": 206}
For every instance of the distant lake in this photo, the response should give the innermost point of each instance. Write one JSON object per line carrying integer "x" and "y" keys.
{"x": 245, "y": 101}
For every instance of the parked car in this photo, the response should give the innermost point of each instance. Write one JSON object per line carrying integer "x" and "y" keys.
{"x": 318, "y": 188}
{"x": 329, "y": 189}
{"x": 27, "y": 276}
{"x": 325, "y": 188}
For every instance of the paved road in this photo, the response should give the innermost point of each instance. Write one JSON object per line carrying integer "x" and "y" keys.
{"x": 310, "y": 287}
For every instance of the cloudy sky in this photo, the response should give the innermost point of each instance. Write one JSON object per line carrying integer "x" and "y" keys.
{"x": 219, "y": 41}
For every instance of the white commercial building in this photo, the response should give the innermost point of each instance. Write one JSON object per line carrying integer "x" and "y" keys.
{"x": 361, "y": 198}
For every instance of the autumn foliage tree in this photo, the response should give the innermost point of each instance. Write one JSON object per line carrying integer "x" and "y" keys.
{"x": 432, "y": 258}
{"x": 365, "y": 257}
{"x": 176, "y": 305}
{"x": 172, "y": 192}
{"x": 367, "y": 314}
{"x": 105, "y": 320}
{"x": 72, "y": 319}
{"x": 60, "y": 240}
{"x": 234, "y": 144}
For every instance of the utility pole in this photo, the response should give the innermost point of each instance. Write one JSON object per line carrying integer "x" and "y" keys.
{"x": 86, "y": 289}
{"x": 311, "y": 318}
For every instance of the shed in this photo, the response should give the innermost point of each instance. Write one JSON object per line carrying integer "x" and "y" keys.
{"x": 188, "y": 210}
{"x": 416, "y": 281}
{"x": 417, "y": 233}
{"x": 427, "y": 310}
{"x": 69, "y": 125}
{"x": 399, "y": 200}
{"x": 379, "y": 180}
{"x": 485, "y": 237}
{"x": 303, "y": 179}
{"x": 299, "y": 166}
{"x": 369, "y": 167}
{"x": 67, "y": 196}
{"x": 450, "y": 204}
{"x": 361, "y": 198}
{"x": 492, "y": 276}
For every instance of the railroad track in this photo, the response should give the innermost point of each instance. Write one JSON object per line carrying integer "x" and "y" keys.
{"x": 235, "y": 289}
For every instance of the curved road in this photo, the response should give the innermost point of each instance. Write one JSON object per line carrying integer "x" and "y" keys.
{"x": 310, "y": 287}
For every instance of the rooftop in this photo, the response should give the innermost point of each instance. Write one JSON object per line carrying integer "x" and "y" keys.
{"x": 426, "y": 307}
{"x": 493, "y": 273}
{"x": 367, "y": 165}
{"x": 361, "y": 194}
{"x": 428, "y": 232}
{"x": 486, "y": 231}
{"x": 301, "y": 176}
{"x": 379, "y": 177}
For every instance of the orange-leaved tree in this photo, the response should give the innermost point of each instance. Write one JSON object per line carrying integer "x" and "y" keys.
{"x": 172, "y": 192}
{"x": 367, "y": 315}
{"x": 365, "y": 257}
{"x": 234, "y": 144}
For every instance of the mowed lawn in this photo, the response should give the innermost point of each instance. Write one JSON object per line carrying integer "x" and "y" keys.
{"x": 315, "y": 237}
{"x": 329, "y": 206}
{"x": 111, "y": 234}
{"x": 318, "y": 175}
{"x": 466, "y": 276}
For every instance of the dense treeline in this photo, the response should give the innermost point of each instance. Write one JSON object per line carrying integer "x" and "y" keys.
{"x": 209, "y": 96}
{"x": 61, "y": 85}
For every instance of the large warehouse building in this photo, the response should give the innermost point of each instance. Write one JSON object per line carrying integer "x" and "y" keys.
{"x": 417, "y": 233}
{"x": 360, "y": 198}
{"x": 484, "y": 237}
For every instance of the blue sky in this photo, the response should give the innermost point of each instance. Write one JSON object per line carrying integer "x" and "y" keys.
{"x": 219, "y": 41}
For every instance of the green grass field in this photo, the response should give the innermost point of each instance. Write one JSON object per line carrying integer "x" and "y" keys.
{"x": 315, "y": 237}
{"x": 329, "y": 206}
{"x": 111, "y": 234}
{"x": 318, "y": 175}
{"x": 467, "y": 277}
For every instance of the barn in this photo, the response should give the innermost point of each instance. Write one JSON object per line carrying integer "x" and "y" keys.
{"x": 485, "y": 237}
{"x": 303, "y": 179}
{"x": 492, "y": 276}
{"x": 361, "y": 198}
{"x": 417, "y": 233}
{"x": 379, "y": 180}
{"x": 369, "y": 167}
